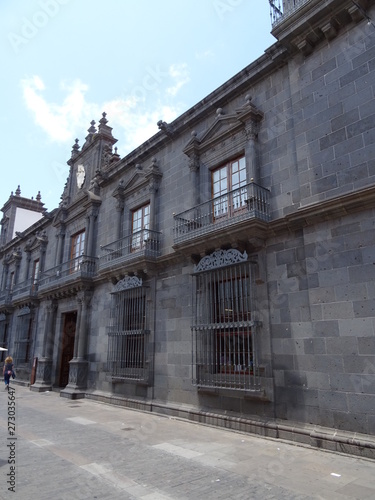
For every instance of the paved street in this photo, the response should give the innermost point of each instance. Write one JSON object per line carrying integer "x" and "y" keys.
{"x": 65, "y": 449}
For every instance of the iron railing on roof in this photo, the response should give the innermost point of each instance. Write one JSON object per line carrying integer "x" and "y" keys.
{"x": 80, "y": 267}
{"x": 248, "y": 202}
{"x": 143, "y": 243}
{"x": 281, "y": 9}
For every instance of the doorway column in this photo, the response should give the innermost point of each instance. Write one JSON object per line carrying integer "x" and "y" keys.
{"x": 43, "y": 380}
{"x": 78, "y": 366}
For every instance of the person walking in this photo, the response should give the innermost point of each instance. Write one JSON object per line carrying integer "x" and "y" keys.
{"x": 8, "y": 371}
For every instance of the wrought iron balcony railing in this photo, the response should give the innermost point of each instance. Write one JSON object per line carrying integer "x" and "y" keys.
{"x": 78, "y": 268}
{"x": 281, "y": 9}
{"x": 144, "y": 243}
{"x": 28, "y": 288}
{"x": 6, "y": 296}
{"x": 248, "y": 202}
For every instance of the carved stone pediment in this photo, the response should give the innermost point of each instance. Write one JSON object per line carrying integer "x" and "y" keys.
{"x": 224, "y": 127}
{"x": 36, "y": 242}
{"x": 139, "y": 179}
{"x": 136, "y": 181}
{"x": 13, "y": 256}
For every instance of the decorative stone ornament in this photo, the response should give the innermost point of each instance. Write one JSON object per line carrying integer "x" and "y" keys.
{"x": 81, "y": 175}
{"x": 220, "y": 258}
{"x": 127, "y": 283}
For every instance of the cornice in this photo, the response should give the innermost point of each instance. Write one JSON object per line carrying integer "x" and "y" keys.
{"x": 274, "y": 57}
{"x": 327, "y": 210}
{"x": 38, "y": 226}
{"x": 311, "y": 21}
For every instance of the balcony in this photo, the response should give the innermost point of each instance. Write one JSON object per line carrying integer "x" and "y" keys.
{"x": 25, "y": 289}
{"x": 6, "y": 297}
{"x": 80, "y": 268}
{"x": 231, "y": 212}
{"x": 139, "y": 246}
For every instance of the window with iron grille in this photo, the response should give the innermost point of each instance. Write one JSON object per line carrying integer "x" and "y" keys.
{"x": 22, "y": 343}
{"x": 224, "y": 330}
{"x": 127, "y": 333}
{"x": 4, "y": 326}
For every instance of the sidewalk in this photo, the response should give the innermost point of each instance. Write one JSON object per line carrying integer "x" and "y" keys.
{"x": 79, "y": 450}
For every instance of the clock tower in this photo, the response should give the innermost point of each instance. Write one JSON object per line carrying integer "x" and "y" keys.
{"x": 90, "y": 164}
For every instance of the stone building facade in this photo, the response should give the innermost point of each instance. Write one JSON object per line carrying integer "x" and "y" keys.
{"x": 224, "y": 270}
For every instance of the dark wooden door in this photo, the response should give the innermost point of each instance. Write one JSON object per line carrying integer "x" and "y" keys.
{"x": 67, "y": 350}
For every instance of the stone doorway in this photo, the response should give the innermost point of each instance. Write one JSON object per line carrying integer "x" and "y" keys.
{"x": 67, "y": 351}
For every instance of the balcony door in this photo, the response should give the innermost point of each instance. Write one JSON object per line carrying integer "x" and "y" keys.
{"x": 140, "y": 227}
{"x": 227, "y": 194}
{"x": 76, "y": 251}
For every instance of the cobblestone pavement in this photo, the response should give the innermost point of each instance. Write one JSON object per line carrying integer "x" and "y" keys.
{"x": 78, "y": 450}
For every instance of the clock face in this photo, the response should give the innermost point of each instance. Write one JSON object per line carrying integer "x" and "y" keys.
{"x": 81, "y": 174}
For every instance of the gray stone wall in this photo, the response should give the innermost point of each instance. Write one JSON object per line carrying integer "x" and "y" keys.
{"x": 316, "y": 137}
{"x": 315, "y": 292}
{"x": 323, "y": 324}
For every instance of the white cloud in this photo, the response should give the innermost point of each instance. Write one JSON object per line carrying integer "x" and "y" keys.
{"x": 57, "y": 120}
{"x": 207, "y": 54}
{"x": 180, "y": 75}
{"x": 132, "y": 121}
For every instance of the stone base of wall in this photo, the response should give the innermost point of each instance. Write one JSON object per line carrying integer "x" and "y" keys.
{"x": 315, "y": 436}
{"x": 17, "y": 381}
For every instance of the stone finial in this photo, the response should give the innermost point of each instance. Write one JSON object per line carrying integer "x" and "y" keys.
{"x": 18, "y": 191}
{"x": 38, "y": 196}
{"x": 75, "y": 148}
{"x": 219, "y": 112}
{"x": 92, "y": 129}
{"x": 103, "y": 120}
{"x": 154, "y": 165}
{"x": 105, "y": 130}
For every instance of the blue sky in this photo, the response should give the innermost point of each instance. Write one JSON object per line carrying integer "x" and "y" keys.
{"x": 140, "y": 61}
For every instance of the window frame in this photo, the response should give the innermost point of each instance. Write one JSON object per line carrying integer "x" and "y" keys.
{"x": 4, "y": 334}
{"x": 35, "y": 274}
{"x": 229, "y": 200}
{"x": 23, "y": 339}
{"x": 77, "y": 249}
{"x": 140, "y": 232}
{"x": 225, "y": 345}
{"x": 128, "y": 336}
